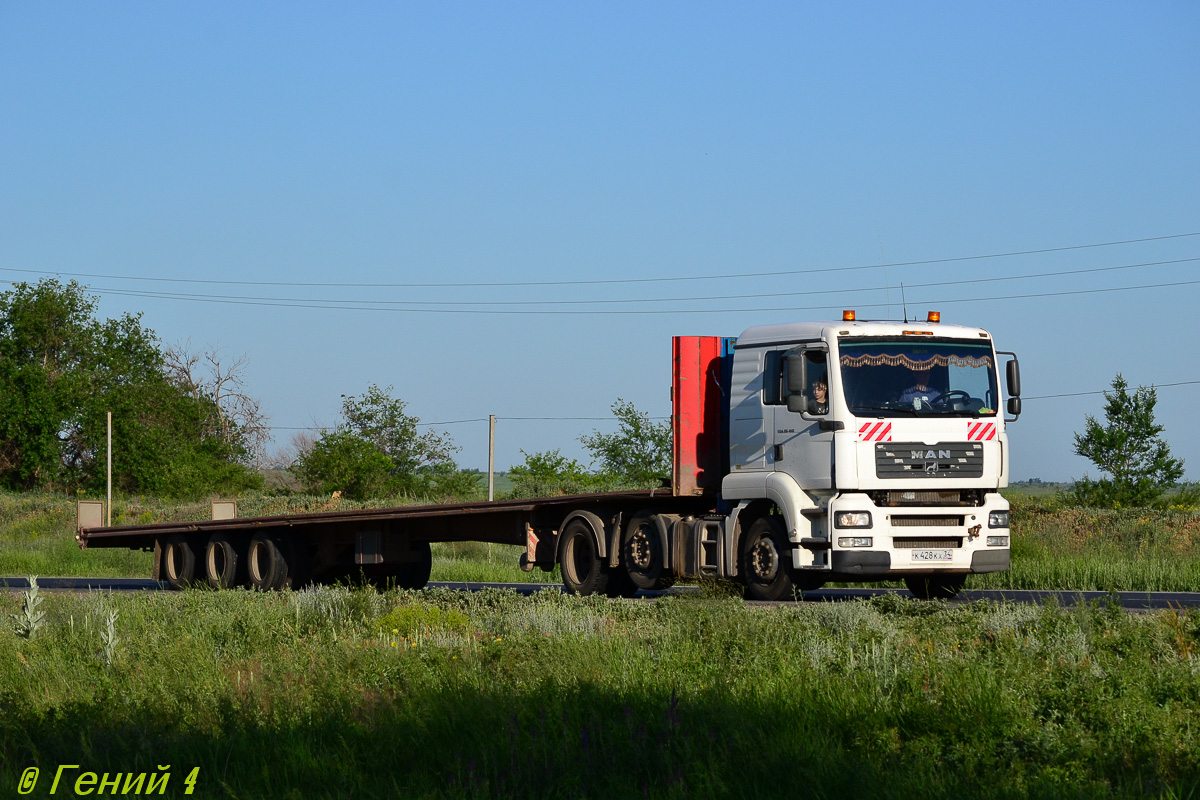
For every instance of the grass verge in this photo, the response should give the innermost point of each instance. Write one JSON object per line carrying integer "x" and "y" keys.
{"x": 332, "y": 692}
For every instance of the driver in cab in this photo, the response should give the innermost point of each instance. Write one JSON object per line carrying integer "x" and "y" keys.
{"x": 921, "y": 394}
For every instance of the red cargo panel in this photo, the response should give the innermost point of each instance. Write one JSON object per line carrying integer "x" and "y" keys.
{"x": 696, "y": 414}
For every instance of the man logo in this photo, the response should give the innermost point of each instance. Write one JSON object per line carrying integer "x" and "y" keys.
{"x": 931, "y": 467}
{"x": 919, "y": 454}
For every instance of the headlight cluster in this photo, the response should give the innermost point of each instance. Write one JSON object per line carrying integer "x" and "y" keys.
{"x": 998, "y": 519}
{"x": 852, "y": 519}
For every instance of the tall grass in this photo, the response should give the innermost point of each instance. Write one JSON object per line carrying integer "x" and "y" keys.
{"x": 331, "y": 692}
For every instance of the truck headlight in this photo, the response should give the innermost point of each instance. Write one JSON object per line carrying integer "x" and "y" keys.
{"x": 997, "y": 541}
{"x": 998, "y": 519}
{"x": 854, "y": 541}
{"x": 852, "y": 519}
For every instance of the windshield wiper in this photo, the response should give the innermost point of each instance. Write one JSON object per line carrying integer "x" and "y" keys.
{"x": 912, "y": 411}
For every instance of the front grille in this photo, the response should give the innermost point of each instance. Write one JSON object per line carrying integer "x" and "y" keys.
{"x": 919, "y": 460}
{"x": 918, "y": 521}
{"x": 927, "y": 497}
{"x": 908, "y": 543}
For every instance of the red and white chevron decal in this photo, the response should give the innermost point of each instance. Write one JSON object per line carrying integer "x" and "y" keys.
{"x": 875, "y": 432}
{"x": 981, "y": 431}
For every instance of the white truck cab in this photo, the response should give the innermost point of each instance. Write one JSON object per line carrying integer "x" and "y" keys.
{"x": 882, "y": 445}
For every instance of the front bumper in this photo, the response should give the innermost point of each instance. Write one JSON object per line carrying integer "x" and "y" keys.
{"x": 909, "y": 540}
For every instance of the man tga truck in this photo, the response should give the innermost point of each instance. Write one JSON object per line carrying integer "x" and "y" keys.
{"x": 803, "y": 453}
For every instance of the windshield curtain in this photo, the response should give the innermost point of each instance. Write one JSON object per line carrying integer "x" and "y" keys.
{"x": 894, "y": 377}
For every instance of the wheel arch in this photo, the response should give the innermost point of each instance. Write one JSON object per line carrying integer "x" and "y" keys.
{"x": 595, "y": 522}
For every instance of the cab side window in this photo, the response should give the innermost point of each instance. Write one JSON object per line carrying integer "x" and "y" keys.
{"x": 773, "y": 391}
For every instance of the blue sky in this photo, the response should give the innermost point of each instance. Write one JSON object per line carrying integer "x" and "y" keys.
{"x": 469, "y": 144}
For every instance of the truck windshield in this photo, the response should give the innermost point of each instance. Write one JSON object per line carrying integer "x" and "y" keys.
{"x": 902, "y": 377}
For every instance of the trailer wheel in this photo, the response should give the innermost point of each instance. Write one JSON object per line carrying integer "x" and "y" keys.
{"x": 935, "y": 587}
{"x": 583, "y": 571}
{"x": 224, "y": 563}
{"x": 764, "y": 565}
{"x": 266, "y": 567}
{"x": 179, "y": 561}
{"x": 642, "y": 554}
{"x": 415, "y": 574}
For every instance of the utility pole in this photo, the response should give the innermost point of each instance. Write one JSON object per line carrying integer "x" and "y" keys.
{"x": 108, "y": 505}
{"x": 491, "y": 457}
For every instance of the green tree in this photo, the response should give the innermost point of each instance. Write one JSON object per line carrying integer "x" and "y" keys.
{"x": 1129, "y": 447}
{"x": 639, "y": 453}
{"x": 61, "y": 369}
{"x": 550, "y": 474}
{"x": 377, "y": 450}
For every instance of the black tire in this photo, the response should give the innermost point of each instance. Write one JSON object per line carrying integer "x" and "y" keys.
{"x": 642, "y": 554}
{"x": 763, "y": 561}
{"x": 583, "y": 571}
{"x": 179, "y": 561}
{"x": 224, "y": 562}
{"x": 415, "y": 574}
{"x": 266, "y": 567}
{"x": 935, "y": 587}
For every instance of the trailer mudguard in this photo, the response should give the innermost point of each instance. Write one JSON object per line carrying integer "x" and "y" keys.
{"x": 594, "y": 523}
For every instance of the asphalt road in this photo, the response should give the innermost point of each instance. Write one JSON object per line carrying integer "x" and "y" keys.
{"x": 1131, "y": 601}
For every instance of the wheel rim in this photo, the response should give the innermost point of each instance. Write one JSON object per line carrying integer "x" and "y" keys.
{"x": 172, "y": 561}
{"x": 640, "y": 551}
{"x": 763, "y": 563}
{"x": 579, "y": 559}
{"x": 257, "y": 556}
{"x": 216, "y": 563}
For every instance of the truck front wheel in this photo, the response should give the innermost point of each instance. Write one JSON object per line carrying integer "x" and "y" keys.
{"x": 763, "y": 556}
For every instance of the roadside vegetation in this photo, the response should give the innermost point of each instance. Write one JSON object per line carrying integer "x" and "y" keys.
{"x": 335, "y": 692}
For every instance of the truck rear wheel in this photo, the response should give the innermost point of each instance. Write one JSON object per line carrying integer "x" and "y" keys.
{"x": 266, "y": 568}
{"x": 179, "y": 561}
{"x": 763, "y": 556}
{"x": 224, "y": 563}
{"x": 642, "y": 554}
{"x": 583, "y": 571}
{"x": 935, "y": 587}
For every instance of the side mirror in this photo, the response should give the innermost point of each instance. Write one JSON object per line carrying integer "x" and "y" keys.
{"x": 1013, "y": 374}
{"x": 1014, "y": 405}
{"x": 797, "y": 379}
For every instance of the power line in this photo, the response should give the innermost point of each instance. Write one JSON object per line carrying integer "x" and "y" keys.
{"x": 609, "y": 281}
{"x": 333, "y": 303}
{"x": 267, "y": 303}
{"x": 460, "y": 421}
{"x": 1103, "y": 391}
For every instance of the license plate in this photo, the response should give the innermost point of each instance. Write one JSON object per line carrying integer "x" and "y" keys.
{"x": 932, "y": 555}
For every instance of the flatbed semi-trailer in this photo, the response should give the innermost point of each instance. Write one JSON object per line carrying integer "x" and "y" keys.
{"x": 392, "y": 544}
{"x": 803, "y": 453}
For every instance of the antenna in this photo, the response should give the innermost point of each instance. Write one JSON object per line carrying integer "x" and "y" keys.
{"x": 903, "y": 302}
